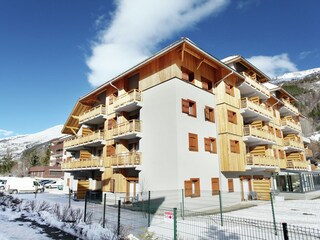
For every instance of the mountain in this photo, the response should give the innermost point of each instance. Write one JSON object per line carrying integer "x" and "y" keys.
{"x": 20, "y": 143}
{"x": 294, "y": 76}
{"x": 305, "y": 87}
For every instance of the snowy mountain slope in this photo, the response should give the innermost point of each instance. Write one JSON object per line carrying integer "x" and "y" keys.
{"x": 296, "y": 75}
{"x": 18, "y": 144}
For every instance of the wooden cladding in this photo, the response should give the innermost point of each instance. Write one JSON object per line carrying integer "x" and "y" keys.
{"x": 189, "y": 107}
{"x": 193, "y": 142}
{"x": 112, "y": 123}
{"x": 234, "y": 146}
{"x": 232, "y": 117}
{"x": 206, "y": 84}
{"x": 192, "y": 187}
{"x": 187, "y": 74}
{"x": 209, "y": 114}
{"x": 229, "y": 89}
{"x": 210, "y": 145}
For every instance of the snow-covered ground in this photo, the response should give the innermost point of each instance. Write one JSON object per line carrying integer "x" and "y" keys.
{"x": 304, "y": 213}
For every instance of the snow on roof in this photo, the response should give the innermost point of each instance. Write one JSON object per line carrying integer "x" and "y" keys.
{"x": 270, "y": 86}
{"x": 227, "y": 59}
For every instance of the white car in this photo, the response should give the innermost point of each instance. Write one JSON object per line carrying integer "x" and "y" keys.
{"x": 54, "y": 184}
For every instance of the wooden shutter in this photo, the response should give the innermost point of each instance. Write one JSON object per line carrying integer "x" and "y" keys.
{"x": 111, "y": 123}
{"x": 212, "y": 115}
{"x": 193, "y": 142}
{"x": 207, "y": 113}
{"x": 207, "y": 145}
{"x": 196, "y": 182}
{"x": 185, "y": 106}
{"x": 230, "y": 185}
{"x": 215, "y": 186}
{"x": 188, "y": 188}
{"x": 213, "y": 145}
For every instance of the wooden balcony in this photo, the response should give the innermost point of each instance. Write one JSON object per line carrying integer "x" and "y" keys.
{"x": 251, "y": 110}
{"x": 75, "y": 164}
{"x": 279, "y": 141}
{"x": 94, "y": 115}
{"x": 288, "y": 126}
{"x": 293, "y": 145}
{"x": 255, "y": 136}
{"x": 94, "y": 139}
{"x": 283, "y": 163}
{"x": 128, "y": 102}
{"x": 262, "y": 161}
{"x": 123, "y": 160}
{"x": 251, "y": 85}
{"x": 127, "y": 130}
{"x": 288, "y": 108}
{"x": 298, "y": 165}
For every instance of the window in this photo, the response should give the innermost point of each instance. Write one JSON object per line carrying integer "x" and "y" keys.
{"x": 206, "y": 84}
{"x": 209, "y": 114}
{"x": 193, "y": 142}
{"x": 187, "y": 75}
{"x": 229, "y": 89}
{"x": 189, "y": 107}
{"x": 210, "y": 145}
{"x": 192, "y": 187}
{"x": 232, "y": 117}
{"x": 234, "y": 146}
{"x": 112, "y": 123}
{"x": 281, "y": 154}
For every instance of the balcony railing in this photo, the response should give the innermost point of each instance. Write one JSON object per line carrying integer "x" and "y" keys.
{"x": 293, "y": 143}
{"x": 131, "y": 97}
{"x": 283, "y": 163}
{"x": 80, "y": 140}
{"x": 94, "y": 162}
{"x": 250, "y": 131}
{"x": 290, "y": 106}
{"x": 92, "y": 113}
{"x": 295, "y": 164}
{"x": 128, "y": 159}
{"x": 259, "y": 109}
{"x": 256, "y": 85}
{"x": 291, "y": 124}
{"x": 132, "y": 126}
{"x": 263, "y": 161}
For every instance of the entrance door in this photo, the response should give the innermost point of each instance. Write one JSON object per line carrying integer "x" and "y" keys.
{"x": 131, "y": 189}
{"x": 245, "y": 187}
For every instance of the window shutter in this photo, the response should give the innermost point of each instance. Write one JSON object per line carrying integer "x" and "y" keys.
{"x": 197, "y": 187}
{"x": 111, "y": 150}
{"x": 205, "y": 85}
{"x": 207, "y": 113}
{"x": 207, "y": 145}
{"x": 185, "y": 106}
{"x": 230, "y": 185}
{"x": 215, "y": 186}
{"x": 193, "y": 142}
{"x": 214, "y": 145}
{"x": 188, "y": 188}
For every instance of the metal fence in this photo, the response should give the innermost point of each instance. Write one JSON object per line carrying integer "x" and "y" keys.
{"x": 171, "y": 215}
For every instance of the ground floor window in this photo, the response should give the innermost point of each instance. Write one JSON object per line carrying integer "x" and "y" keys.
{"x": 215, "y": 186}
{"x": 192, "y": 187}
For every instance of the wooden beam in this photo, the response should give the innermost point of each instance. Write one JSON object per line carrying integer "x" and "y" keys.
{"x": 75, "y": 117}
{"x": 200, "y": 63}
{"x": 182, "y": 51}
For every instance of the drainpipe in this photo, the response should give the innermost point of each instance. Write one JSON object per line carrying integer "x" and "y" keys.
{"x": 114, "y": 86}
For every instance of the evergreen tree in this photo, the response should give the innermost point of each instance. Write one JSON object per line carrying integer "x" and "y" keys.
{"x": 6, "y": 163}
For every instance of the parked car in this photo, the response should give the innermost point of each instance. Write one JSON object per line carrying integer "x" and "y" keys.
{"x": 54, "y": 184}
{"x": 3, "y": 182}
{"x": 25, "y": 184}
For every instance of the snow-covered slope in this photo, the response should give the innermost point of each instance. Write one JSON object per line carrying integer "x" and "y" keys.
{"x": 18, "y": 144}
{"x": 296, "y": 75}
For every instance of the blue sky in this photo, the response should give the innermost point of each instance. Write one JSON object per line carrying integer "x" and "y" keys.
{"x": 53, "y": 52}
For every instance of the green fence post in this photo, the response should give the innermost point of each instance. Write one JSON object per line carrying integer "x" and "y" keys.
{"x": 119, "y": 206}
{"x": 85, "y": 206}
{"x": 220, "y": 206}
{"x": 149, "y": 207}
{"x": 175, "y": 224}
{"x": 104, "y": 211}
{"x": 273, "y": 215}
{"x": 182, "y": 208}
{"x": 69, "y": 197}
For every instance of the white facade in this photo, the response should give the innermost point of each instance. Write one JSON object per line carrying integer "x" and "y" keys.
{"x": 167, "y": 161}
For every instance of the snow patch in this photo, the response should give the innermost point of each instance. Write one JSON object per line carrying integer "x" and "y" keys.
{"x": 296, "y": 75}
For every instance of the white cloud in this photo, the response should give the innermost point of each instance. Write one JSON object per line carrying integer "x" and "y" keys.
{"x": 5, "y": 133}
{"x": 273, "y": 65}
{"x": 136, "y": 29}
{"x": 245, "y": 3}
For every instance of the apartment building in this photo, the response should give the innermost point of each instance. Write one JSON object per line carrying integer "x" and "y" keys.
{"x": 182, "y": 119}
